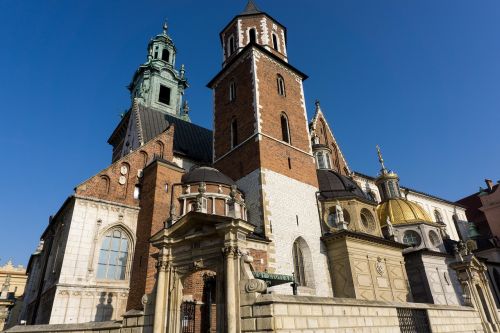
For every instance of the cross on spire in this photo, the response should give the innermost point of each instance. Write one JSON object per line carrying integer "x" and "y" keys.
{"x": 381, "y": 160}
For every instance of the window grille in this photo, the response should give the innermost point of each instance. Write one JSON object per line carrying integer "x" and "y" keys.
{"x": 413, "y": 321}
{"x": 188, "y": 314}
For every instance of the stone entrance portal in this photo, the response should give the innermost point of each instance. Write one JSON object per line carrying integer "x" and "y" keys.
{"x": 197, "y": 288}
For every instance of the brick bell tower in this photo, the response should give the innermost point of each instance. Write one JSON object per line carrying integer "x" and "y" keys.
{"x": 261, "y": 140}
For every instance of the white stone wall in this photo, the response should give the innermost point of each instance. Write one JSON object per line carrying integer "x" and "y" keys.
{"x": 430, "y": 204}
{"x": 80, "y": 296}
{"x": 288, "y": 200}
{"x": 250, "y": 184}
{"x": 314, "y": 314}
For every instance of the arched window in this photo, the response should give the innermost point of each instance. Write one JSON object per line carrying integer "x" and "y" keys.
{"x": 285, "y": 130}
{"x": 232, "y": 91}
{"x": 113, "y": 256}
{"x": 165, "y": 55}
{"x": 298, "y": 264}
{"x": 231, "y": 47}
{"x": 367, "y": 220}
{"x": 281, "y": 85}
{"x": 438, "y": 216}
{"x": 234, "y": 133}
{"x": 104, "y": 184}
{"x": 159, "y": 149}
{"x": 275, "y": 42}
{"x": 144, "y": 158}
{"x": 252, "y": 34}
{"x": 434, "y": 238}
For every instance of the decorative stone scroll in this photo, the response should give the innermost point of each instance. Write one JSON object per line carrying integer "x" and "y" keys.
{"x": 256, "y": 286}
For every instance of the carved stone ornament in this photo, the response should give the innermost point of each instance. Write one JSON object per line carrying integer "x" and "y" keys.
{"x": 198, "y": 264}
{"x": 256, "y": 286}
{"x": 145, "y": 299}
{"x": 230, "y": 250}
{"x": 379, "y": 267}
{"x": 122, "y": 180}
{"x": 163, "y": 265}
{"x": 123, "y": 170}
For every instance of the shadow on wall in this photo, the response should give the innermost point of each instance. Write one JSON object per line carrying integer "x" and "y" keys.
{"x": 104, "y": 310}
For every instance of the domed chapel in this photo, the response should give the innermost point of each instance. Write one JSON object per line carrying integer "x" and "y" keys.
{"x": 258, "y": 224}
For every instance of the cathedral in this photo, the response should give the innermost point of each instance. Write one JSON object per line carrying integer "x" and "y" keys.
{"x": 256, "y": 225}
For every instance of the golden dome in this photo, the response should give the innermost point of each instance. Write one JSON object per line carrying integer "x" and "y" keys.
{"x": 401, "y": 211}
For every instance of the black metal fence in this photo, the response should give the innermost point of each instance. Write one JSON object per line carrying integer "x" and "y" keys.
{"x": 413, "y": 321}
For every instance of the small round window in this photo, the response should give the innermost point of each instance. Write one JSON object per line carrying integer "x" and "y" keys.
{"x": 367, "y": 220}
{"x": 434, "y": 237}
{"x": 412, "y": 238}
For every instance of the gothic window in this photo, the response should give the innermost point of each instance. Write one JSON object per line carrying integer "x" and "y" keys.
{"x": 165, "y": 55}
{"x": 281, "y": 85}
{"x": 234, "y": 133}
{"x": 275, "y": 42}
{"x": 113, "y": 256}
{"x": 285, "y": 130}
{"x": 412, "y": 238}
{"x": 232, "y": 91}
{"x": 231, "y": 46}
{"x": 437, "y": 216}
{"x": 298, "y": 264}
{"x": 164, "y": 96}
{"x": 252, "y": 35}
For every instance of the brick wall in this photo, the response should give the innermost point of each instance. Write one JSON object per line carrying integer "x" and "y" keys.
{"x": 117, "y": 182}
{"x": 157, "y": 188}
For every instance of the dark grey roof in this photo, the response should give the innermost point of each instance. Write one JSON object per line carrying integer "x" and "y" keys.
{"x": 207, "y": 175}
{"x": 334, "y": 185}
{"x": 251, "y": 8}
{"x": 190, "y": 140}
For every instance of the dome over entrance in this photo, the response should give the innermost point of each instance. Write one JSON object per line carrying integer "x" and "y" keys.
{"x": 207, "y": 175}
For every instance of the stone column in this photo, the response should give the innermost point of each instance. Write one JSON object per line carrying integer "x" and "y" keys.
{"x": 230, "y": 253}
{"x": 162, "y": 292}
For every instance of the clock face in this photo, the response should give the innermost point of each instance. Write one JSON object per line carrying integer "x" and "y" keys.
{"x": 122, "y": 180}
{"x": 123, "y": 170}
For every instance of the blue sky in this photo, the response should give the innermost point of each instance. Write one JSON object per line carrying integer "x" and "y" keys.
{"x": 420, "y": 78}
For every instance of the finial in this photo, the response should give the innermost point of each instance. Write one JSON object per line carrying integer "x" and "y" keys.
{"x": 185, "y": 107}
{"x": 318, "y": 106}
{"x": 380, "y": 159}
{"x": 182, "y": 71}
{"x": 165, "y": 27}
